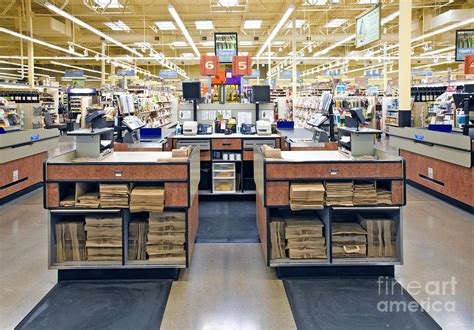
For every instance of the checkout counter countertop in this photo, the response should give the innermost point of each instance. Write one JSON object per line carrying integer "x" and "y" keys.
{"x": 226, "y": 136}
{"x": 329, "y": 156}
{"x": 123, "y": 157}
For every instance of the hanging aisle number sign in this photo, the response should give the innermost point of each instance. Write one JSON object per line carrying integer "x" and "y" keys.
{"x": 469, "y": 64}
{"x": 209, "y": 65}
{"x": 241, "y": 65}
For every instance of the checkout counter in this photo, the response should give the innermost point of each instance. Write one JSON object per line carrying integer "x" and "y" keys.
{"x": 438, "y": 162}
{"x": 22, "y": 154}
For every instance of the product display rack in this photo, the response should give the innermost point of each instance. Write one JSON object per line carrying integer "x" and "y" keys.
{"x": 273, "y": 180}
{"x": 179, "y": 178}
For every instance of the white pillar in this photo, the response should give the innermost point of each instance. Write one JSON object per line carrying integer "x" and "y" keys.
{"x": 385, "y": 68}
{"x": 112, "y": 74}
{"x": 22, "y": 61}
{"x": 269, "y": 67}
{"x": 258, "y": 69}
{"x": 404, "y": 60}
{"x": 102, "y": 74}
{"x": 293, "y": 47}
{"x": 31, "y": 62}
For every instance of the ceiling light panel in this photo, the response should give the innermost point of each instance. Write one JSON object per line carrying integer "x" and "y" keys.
{"x": 299, "y": 24}
{"x": 278, "y": 43}
{"x": 187, "y": 55}
{"x": 204, "y": 25}
{"x": 178, "y": 44}
{"x": 228, "y": 3}
{"x": 207, "y": 44}
{"x": 334, "y": 23}
{"x": 367, "y": 2}
{"x": 317, "y": 2}
{"x": 253, "y": 24}
{"x": 245, "y": 43}
{"x": 117, "y": 26}
{"x": 165, "y": 26}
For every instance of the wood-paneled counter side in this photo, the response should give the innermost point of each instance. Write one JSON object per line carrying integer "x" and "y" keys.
{"x": 173, "y": 182}
{"x": 334, "y": 183}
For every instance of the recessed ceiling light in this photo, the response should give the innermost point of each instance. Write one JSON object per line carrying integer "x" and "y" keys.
{"x": 228, "y": 3}
{"x": 243, "y": 53}
{"x": 367, "y": 2}
{"x": 278, "y": 43}
{"x": 165, "y": 26}
{"x": 109, "y": 4}
{"x": 245, "y": 43}
{"x": 253, "y": 24}
{"x": 210, "y": 54}
{"x": 178, "y": 44}
{"x": 207, "y": 43}
{"x": 204, "y": 25}
{"x": 335, "y": 22}
{"x": 299, "y": 24}
{"x": 117, "y": 26}
{"x": 317, "y": 2}
{"x": 268, "y": 54}
{"x": 187, "y": 55}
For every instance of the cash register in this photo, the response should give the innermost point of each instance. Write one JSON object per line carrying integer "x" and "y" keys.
{"x": 190, "y": 128}
{"x": 264, "y": 127}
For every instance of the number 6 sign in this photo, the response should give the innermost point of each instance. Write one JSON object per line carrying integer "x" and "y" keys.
{"x": 209, "y": 65}
{"x": 241, "y": 65}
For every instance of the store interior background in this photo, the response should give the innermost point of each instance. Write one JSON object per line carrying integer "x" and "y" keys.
{"x": 62, "y": 48}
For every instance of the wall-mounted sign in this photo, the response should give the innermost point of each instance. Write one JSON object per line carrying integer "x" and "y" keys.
{"x": 464, "y": 43}
{"x": 129, "y": 73}
{"x": 225, "y": 46}
{"x": 241, "y": 65}
{"x": 209, "y": 65}
{"x": 74, "y": 74}
{"x": 168, "y": 74}
{"x": 368, "y": 27}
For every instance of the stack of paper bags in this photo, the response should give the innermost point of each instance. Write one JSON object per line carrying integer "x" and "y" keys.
{"x": 70, "y": 241}
{"x": 68, "y": 201}
{"x": 277, "y": 236}
{"x": 365, "y": 193}
{"x": 166, "y": 237}
{"x": 384, "y": 196}
{"x": 339, "y": 193}
{"x": 88, "y": 200}
{"x": 304, "y": 237}
{"x": 104, "y": 239}
{"x": 381, "y": 236}
{"x": 270, "y": 152}
{"x": 137, "y": 236}
{"x": 114, "y": 195}
{"x": 306, "y": 196}
{"x": 349, "y": 240}
{"x": 182, "y": 152}
{"x": 143, "y": 199}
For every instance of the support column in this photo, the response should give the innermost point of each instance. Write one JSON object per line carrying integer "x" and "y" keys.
{"x": 385, "y": 68}
{"x": 258, "y": 69}
{"x": 293, "y": 49}
{"x": 22, "y": 61}
{"x": 102, "y": 73}
{"x": 404, "y": 63}
{"x": 112, "y": 74}
{"x": 269, "y": 67}
{"x": 31, "y": 62}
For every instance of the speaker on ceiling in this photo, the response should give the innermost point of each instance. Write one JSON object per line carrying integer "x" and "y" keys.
{"x": 308, "y": 38}
{"x": 256, "y": 38}
{"x": 157, "y": 38}
{"x": 204, "y": 38}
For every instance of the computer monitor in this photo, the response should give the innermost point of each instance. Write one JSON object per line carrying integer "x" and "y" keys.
{"x": 358, "y": 115}
{"x": 261, "y": 94}
{"x": 191, "y": 90}
{"x": 460, "y": 97}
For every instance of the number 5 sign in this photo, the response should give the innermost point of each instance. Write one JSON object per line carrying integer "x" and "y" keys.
{"x": 209, "y": 65}
{"x": 241, "y": 65}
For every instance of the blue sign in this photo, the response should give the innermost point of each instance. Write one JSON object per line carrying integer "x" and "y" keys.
{"x": 73, "y": 74}
{"x": 340, "y": 88}
{"x": 168, "y": 74}
{"x": 130, "y": 73}
{"x": 372, "y": 73}
{"x": 255, "y": 74}
{"x": 428, "y": 73}
{"x": 332, "y": 73}
{"x": 288, "y": 74}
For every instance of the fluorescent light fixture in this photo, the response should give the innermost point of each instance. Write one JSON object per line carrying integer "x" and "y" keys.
{"x": 118, "y": 26}
{"x": 180, "y": 23}
{"x": 228, "y": 3}
{"x": 337, "y": 44}
{"x": 299, "y": 24}
{"x": 253, "y": 24}
{"x": 75, "y": 67}
{"x": 367, "y": 2}
{"x": 179, "y": 44}
{"x": 317, "y": 2}
{"x": 278, "y": 43}
{"x": 64, "y": 14}
{"x": 210, "y": 54}
{"x": 39, "y": 42}
{"x": 245, "y": 43}
{"x": 444, "y": 29}
{"x": 266, "y": 54}
{"x": 207, "y": 44}
{"x": 243, "y": 53}
{"x": 109, "y": 4}
{"x": 277, "y": 28}
{"x": 336, "y": 22}
{"x": 389, "y": 18}
{"x": 187, "y": 55}
{"x": 204, "y": 25}
{"x": 439, "y": 51}
{"x": 165, "y": 26}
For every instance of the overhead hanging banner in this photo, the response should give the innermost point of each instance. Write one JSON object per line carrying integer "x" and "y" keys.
{"x": 368, "y": 27}
{"x": 464, "y": 43}
{"x": 225, "y": 46}
{"x": 241, "y": 65}
{"x": 209, "y": 65}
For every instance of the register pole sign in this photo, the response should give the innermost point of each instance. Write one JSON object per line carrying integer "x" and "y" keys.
{"x": 368, "y": 27}
{"x": 241, "y": 65}
{"x": 469, "y": 64}
{"x": 209, "y": 65}
{"x": 225, "y": 46}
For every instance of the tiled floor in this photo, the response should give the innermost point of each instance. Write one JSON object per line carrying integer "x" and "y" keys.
{"x": 228, "y": 285}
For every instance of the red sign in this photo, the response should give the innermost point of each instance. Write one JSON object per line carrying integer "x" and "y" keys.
{"x": 241, "y": 66}
{"x": 469, "y": 64}
{"x": 209, "y": 65}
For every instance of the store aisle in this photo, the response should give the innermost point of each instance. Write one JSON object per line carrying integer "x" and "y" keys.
{"x": 228, "y": 287}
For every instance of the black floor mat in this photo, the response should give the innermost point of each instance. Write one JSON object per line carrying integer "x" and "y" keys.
{"x": 353, "y": 303}
{"x": 227, "y": 222}
{"x": 101, "y": 305}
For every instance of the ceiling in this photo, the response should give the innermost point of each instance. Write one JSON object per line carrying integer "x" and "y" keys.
{"x": 138, "y": 17}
